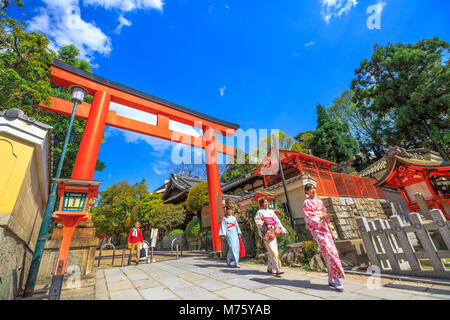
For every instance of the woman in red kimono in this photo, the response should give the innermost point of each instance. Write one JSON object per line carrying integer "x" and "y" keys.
{"x": 317, "y": 220}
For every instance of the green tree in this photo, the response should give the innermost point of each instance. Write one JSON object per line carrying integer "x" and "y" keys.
{"x": 147, "y": 207}
{"x": 118, "y": 207}
{"x": 238, "y": 166}
{"x": 25, "y": 61}
{"x": 364, "y": 126}
{"x": 193, "y": 229}
{"x": 69, "y": 53}
{"x": 410, "y": 84}
{"x": 7, "y": 3}
{"x": 332, "y": 140}
{"x": 24, "y": 66}
{"x": 285, "y": 142}
{"x": 303, "y": 139}
{"x": 197, "y": 197}
{"x": 167, "y": 217}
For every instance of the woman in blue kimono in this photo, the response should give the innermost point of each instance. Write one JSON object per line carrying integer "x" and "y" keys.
{"x": 230, "y": 230}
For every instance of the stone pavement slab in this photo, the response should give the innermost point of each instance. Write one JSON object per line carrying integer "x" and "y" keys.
{"x": 147, "y": 283}
{"x": 157, "y": 293}
{"x": 285, "y": 294}
{"x": 175, "y": 283}
{"x": 128, "y": 294}
{"x": 192, "y": 277}
{"x": 235, "y": 293}
{"x": 213, "y": 284}
{"x": 195, "y": 293}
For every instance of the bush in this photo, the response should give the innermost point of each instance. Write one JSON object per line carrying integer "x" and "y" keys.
{"x": 197, "y": 197}
{"x": 174, "y": 232}
{"x": 193, "y": 229}
{"x": 291, "y": 237}
{"x": 167, "y": 217}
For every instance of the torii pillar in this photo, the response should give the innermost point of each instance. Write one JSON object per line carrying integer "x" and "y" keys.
{"x": 214, "y": 191}
{"x": 84, "y": 167}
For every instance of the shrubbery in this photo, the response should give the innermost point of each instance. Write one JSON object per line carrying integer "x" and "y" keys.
{"x": 193, "y": 229}
{"x": 174, "y": 232}
{"x": 291, "y": 237}
{"x": 197, "y": 197}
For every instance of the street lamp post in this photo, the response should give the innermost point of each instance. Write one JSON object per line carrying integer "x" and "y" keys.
{"x": 78, "y": 94}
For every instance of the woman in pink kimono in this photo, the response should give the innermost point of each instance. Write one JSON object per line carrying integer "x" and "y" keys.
{"x": 268, "y": 226}
{"x": 317, "y": 219}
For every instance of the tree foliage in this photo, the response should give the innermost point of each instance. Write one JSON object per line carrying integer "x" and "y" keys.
{"x": 147, "y": 207}
{"x": 289, "y": 238}
{"x": 238, "y": 166}
{"x": 303, "y": 139}
{"x": 118, "y": 207}
{"x": 410, "y": 84}
{"x": 25, "y": 60}
{"x": 332, "y": 140}
{"x": 167, "y": 217}
{"x": 197, "y": 197}
{"x": 193, "y": 229}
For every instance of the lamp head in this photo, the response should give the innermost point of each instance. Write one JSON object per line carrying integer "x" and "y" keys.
{"x": 78, "y": 93}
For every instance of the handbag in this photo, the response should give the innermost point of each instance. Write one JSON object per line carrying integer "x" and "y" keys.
{"x": 268, "y": 233}
{"x": 332, "y": 230}
{"x": 143, "y": 253}
{"x": 241, "y": 248}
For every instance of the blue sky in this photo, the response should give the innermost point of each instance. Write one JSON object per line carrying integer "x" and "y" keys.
{"x": 260, "y": 64}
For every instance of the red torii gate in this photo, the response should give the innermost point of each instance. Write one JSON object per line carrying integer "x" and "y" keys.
{"x": 98, "y": 115}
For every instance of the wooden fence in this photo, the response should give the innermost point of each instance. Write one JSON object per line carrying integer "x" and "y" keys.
{"x": 388, "y": 244}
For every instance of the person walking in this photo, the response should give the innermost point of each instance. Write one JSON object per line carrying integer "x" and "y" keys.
{"x": 231, "y": 231}
{"x": 317, "y": 222}
{"x": 135, "y": 239}
{"x": 268, "y": 226}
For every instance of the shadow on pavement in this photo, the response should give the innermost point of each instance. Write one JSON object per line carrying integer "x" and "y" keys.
{"x": 305, "y": 284}
{"x": 417, "y": 288}
{"x": 245, "y": 272}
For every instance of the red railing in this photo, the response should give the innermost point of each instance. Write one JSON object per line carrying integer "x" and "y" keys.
{"x": 333, "y": 184}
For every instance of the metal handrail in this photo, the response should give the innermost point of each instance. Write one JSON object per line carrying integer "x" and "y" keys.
{"x": 177, "y": 245}
{"x": 101, "y": 249}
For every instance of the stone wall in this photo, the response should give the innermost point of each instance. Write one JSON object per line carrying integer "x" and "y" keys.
{"x": 81, "y": 254}
{"x": 345, "y": 210}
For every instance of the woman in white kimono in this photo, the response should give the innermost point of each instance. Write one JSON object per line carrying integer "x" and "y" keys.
{"x": 231, "y": 231}
{"x": 268, "y": 223}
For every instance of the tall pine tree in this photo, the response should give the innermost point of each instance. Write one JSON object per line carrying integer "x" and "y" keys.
{"x": 332, "y": 140}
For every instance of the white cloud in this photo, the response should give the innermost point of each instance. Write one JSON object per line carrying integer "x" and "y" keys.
{"x": 222, "y": 90}
{"x": 227, "y": 7}
{"x": 310, "y": 43}
{"x": 160, "y": 167}
{"x": 157, "y": 144}
{"x": 335, "y": 8}
{"x": 122, "y": 22}
{"x": 127, "y": 5}
{"x": 61, "y": 21}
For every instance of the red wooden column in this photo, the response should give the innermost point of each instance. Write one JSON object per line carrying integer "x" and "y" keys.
{"x": 86, "y": 160}
{"x": 214, "y": 191}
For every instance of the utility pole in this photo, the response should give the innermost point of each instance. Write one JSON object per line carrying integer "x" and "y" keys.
{"x": 288, "y": 202}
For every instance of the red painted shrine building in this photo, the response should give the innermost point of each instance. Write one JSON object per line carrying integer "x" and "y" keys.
{"x": 411, "y": 176}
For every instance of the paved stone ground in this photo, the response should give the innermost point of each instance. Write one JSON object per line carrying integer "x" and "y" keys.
{"x": 202, "y": 278}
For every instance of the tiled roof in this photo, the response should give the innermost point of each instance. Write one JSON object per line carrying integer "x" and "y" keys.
{"x": 374, "y": 168}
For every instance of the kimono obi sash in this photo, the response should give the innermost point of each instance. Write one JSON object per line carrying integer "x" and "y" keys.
{"x": 230, "y": 225}
{"x": 269, "y": 221}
